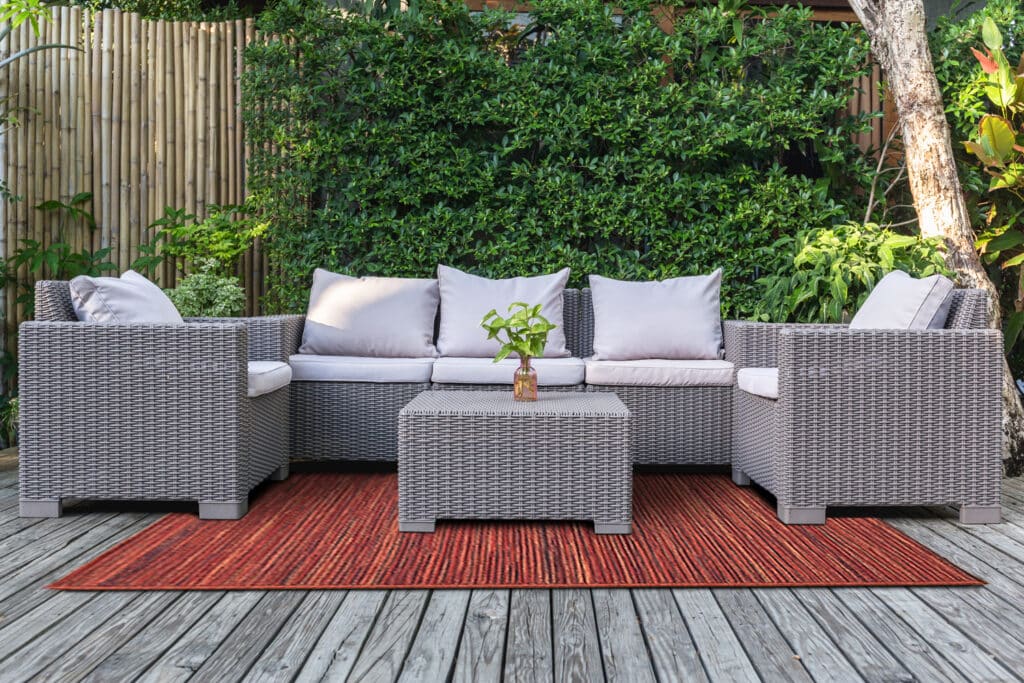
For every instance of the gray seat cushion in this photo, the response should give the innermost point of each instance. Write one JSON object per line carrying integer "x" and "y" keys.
{"x": 901, "y": 302}
{"x": 550, "y": 371}
{"x": 130, "y": 298}
{"x": 466, "y": 298}
{"x": 266, "y": 376}
{"x": 314, "y": 368}
{"x": 385, "y": 317}
{"x": 660, "y": 373}
{"x": 763, "y": 382}
{"x": 676, "y": 319}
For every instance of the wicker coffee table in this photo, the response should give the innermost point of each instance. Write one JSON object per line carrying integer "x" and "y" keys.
{"x": 481, "y": 455}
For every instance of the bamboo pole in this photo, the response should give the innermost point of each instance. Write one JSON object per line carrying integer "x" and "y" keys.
{"x": 201, "y": 140}
{"x": 189, "y": 140}
{"x": 24, "y": 150}
{"x": 128, "y": 94}
{"x": 96, "y": 148}
{"x": 136, "y": 124}
{"x": 213, "y": 195}
{"x": 6, "y": 158}
{"x": 113, "y": 147}
{"x": 160, "y": 149}
{"x": 36, "y": 116}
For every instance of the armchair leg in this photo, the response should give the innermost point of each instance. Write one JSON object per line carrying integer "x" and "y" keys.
{"x": 739, "y": 477}
{"x": 40, "y": 508}
{"x": 280, "y": 474}
{"x": 790, "y": 514}
{"x": 977, "y": 514}
{"x": 212, "y": 510}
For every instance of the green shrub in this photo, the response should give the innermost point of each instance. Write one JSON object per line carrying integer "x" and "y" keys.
{"x": 207, "y": 293}
{"x": 590, "y": 140}
{"x": 823, "y": 275}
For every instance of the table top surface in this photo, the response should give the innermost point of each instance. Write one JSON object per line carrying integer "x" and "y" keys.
{"x": 570, "y": 403}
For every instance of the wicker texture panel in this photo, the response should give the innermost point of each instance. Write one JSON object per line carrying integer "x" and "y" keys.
{"x": 441, "y": 386}
{"x": 143, "y": 411}
{"x": 53, "y": 301}
{"x": 348, "y": 420}
{"x": 678, "y": 425}
{"x": 271, "y": 337}
{"x": 875, "y": 417}
{"x": 564, "y": 457}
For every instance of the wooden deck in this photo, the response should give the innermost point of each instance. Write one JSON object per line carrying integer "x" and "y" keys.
{"x": 926, "y": 634}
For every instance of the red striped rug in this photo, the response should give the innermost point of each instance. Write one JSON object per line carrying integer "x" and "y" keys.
{"x": 339, "y": 530}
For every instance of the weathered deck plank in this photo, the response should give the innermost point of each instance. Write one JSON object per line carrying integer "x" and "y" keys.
{"x": 673, "y": 653}
{"x": 335, "y": 652}
{"x": 622, "y": 642}
{"x": 389, "y": 641}
{"x": 529, "y": 653}
{"x": 720, "y": 650}
{"x": 483, "y": 637}
{"x": 577, "y": 652}
{"x": 284, "y": 656}
{"x": 432, "y": 655}
{"x": 769, "y": 652}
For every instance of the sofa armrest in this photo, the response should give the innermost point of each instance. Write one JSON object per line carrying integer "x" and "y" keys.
{"x": 750, "y": 344}
{"x": 271, "y": 337}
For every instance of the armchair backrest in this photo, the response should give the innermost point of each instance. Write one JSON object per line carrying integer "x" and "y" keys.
{"x": 969, "y": 310}
{"x": 53, "y": 301}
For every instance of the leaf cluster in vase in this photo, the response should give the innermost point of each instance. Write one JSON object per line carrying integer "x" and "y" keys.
{"x": 525, "y": 331}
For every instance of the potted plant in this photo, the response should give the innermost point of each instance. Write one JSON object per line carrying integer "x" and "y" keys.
{"x": 526, "y": 334}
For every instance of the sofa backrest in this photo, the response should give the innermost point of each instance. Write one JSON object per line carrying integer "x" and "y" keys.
{"x": 53, "y": 301}
{"x": 968, "y": 310}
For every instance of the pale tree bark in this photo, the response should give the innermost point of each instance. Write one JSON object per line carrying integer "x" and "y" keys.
{"x": 899, "y": 42}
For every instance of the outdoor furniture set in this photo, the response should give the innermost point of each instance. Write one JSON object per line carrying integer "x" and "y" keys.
{"x": 901, "y": 407}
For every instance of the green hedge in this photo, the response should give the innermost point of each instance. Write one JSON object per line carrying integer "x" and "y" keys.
{"x": 591, "y": 139}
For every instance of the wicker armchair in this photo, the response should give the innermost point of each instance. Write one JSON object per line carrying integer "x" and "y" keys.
{"x": 873, "y": 417}
{"x": 147, "y": 411}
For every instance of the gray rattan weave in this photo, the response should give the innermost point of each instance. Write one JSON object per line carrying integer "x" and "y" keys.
{"x": 873, "y": 417}
{"x": 348, "y": 420}
{"x": 481, "y": 455}
{"x": 678, "y": 425}
{"x": 145, "y": 411}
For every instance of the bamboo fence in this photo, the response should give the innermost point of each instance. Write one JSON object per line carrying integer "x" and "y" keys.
{"x": 142, "y": 114}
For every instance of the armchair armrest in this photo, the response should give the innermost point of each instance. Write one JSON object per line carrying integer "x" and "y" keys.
{"x": 271, "y": 337}
{"x": 750, "y": 344}
{"x": 910, "y": 379}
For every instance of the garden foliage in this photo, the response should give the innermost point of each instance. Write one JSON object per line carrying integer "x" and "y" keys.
{"x": 824, "y": 274}
{"x": 588, "y": 139}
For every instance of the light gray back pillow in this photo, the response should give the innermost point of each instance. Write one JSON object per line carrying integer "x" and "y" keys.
{"x": 383, "y": 317}
{"x": 466, "y": 298}
{"x": 901, "y": 302}
{"x": 676, "y": 319}
{"x": 130, "y": 298}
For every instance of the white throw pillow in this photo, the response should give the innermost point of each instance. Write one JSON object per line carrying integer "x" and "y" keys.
{"x": 901, "y": 302}
{"x": 383, "y": 317}
{"x": 130, "y": 298}
{"x": 465, "y": 299}
{"x": 676, "y": 319}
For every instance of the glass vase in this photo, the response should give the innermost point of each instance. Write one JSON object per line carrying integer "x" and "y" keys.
{"x": 524, "y": 383}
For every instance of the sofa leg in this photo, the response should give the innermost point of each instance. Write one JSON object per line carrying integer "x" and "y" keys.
{"x": 40, "y": 508}
{"x": 280, "y": 474}
{"x": 418, "y": 526}
{"x": 978, "y": 514}
{"x": 790, "y": 514}
{"x": 212, "y": 510}
{"x": 612, "y": 528}
{"x": 739, "y": 477}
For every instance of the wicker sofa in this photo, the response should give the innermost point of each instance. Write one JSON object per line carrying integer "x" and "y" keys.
{"x": 148, "y": 411}
{"x": 872, "y": 417}
{"x": 348, "y": 409}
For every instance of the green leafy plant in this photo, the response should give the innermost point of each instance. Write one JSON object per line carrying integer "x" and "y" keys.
{"x": 222, "y": 237}
{"x": 526, "y": 331}
{"x": 58, "y": 259}
{"x": 591, "y": 139}
{"x": 207, "y": 293}
{"x": 999, "y": 146}
{"x": 823, "y": 275}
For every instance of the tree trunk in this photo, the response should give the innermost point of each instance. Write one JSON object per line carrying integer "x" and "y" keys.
{"x": 899, "y": 42}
